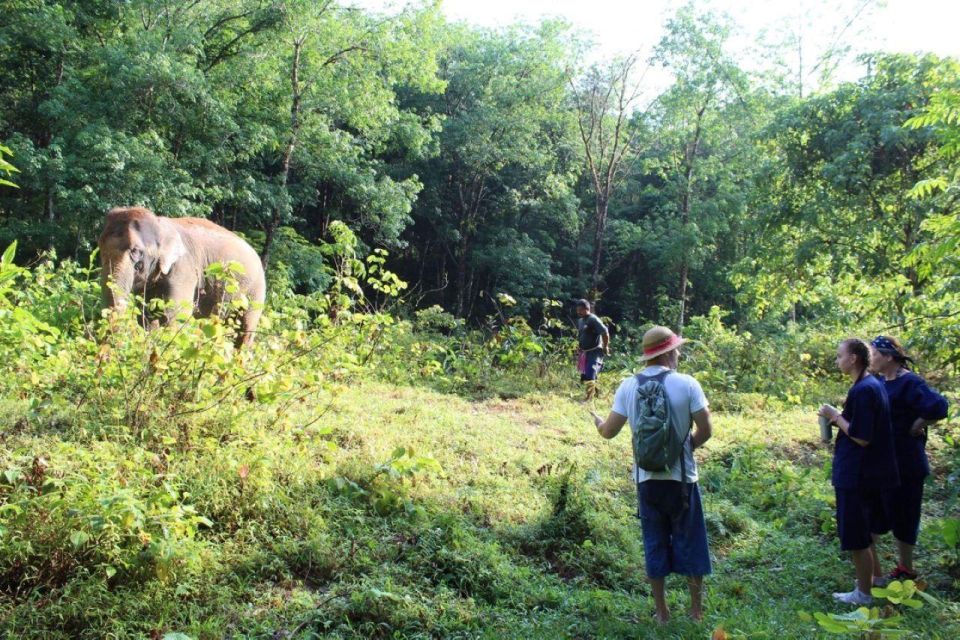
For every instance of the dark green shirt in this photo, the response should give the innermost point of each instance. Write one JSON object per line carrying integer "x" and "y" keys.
{"x": 590, "y": 330}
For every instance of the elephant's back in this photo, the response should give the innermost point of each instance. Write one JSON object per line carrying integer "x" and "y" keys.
{"x": 212, "y": 235}
{"x": 191, "y": 223}
{"x": 221, "y": 245}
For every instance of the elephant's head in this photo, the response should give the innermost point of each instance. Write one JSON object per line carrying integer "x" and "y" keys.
{"x": 136, "y": 249}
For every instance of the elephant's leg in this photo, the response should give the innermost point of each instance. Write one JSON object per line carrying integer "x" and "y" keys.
{"x": 246, "y": 334}
{"x": 180, "y": 299}
{"x": 248, "y": 325}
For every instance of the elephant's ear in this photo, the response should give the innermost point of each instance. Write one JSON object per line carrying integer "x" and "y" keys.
{"x": 171, "y": 247}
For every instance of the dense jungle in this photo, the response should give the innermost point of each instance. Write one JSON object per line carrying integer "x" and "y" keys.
{"x": 400, "y": 448}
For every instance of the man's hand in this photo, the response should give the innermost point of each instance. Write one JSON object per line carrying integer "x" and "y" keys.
{"x": 917, "y": 428}
{"x": 611, "y": 426}
{"x": 703, "y": 428}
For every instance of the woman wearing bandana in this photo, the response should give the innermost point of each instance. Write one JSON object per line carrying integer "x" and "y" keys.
{"x": 913, "y": 406}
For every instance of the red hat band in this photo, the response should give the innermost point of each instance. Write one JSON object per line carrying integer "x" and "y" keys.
{"x": 666, "y": 345}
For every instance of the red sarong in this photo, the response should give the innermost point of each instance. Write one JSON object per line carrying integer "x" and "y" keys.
{"x": 582, "y": 363}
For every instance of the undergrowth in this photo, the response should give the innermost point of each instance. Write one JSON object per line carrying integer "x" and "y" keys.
{"x": 392, "y": 478}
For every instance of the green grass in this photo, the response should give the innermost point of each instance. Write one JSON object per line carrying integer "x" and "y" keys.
{"x": 526, "y": 529}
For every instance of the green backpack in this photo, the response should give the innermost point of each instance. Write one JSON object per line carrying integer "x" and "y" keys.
{"x": 656, "y": 443}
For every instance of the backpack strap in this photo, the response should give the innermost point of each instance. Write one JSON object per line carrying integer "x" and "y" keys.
{"x": 660, "y": 377}
{"x": 684, "y": 486}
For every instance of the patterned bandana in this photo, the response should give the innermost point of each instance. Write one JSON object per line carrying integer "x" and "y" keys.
{"x": 886, "y": 347}
{"x": 883, "y": 345}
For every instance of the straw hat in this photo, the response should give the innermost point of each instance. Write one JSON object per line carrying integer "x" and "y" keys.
{"x": 659, "y": 340}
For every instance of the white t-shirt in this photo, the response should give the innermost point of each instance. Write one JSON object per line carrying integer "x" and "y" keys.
{"x": 686, "y": 398}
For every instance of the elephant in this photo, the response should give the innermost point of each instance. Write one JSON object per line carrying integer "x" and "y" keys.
{"x": 167, "y": 258}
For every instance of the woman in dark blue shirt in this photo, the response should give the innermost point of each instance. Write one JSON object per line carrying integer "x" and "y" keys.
{"x": 864, "y": 465}
{"x": 913, "y": 406}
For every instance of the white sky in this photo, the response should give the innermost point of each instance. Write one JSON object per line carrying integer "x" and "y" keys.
{"x": 623, "y": 26}
{"x": 896, "y": 25}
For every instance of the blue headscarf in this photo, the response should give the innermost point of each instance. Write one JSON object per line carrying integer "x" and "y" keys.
{"x": 885, "y": 346}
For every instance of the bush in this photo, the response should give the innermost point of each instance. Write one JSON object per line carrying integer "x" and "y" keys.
{"x": 795, "y": 365}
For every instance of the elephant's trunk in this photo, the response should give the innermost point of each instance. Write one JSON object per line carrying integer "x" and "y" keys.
{"x": 116, "y": 281}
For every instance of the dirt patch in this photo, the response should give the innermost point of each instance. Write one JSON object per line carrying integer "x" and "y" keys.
{"x": 803, "y": 453}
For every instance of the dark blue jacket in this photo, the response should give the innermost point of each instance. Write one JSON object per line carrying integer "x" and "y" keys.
{"x": 867, "y": 410}
{"x": 911, "y": 398}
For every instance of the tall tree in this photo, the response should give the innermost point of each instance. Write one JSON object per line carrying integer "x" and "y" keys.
{"x": 838, "y": 222}
{"x": 256, "y": 113}
{"x": 604, "y": 98}
{"x": 805, "y": 48}
{"x": 112, "y": 105}
{"x": 328, "y": 97}
{"x": 708, "y": 86}
{"x": 932, "y": 320}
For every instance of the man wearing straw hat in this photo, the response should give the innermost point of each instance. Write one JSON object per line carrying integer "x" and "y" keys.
{"x": 670, "y": 509}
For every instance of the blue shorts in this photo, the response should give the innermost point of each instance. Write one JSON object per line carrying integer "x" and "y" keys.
{"x": 674, "y": 538}
{"x": 907, "y": 499}
{"x": 594, "y": 363}
{"x": 860, "y": 513}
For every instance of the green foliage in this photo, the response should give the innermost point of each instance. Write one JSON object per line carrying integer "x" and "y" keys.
{"x": 873, "y": 622}
{"x": 206, "y": 120}
{"x": 434, "y": 319}
{"x": 902, "y": 593}
{"x": 422, "y": 472}
{"x": 839, "y": 236}
{"x": 793, "y": 365}
{"x": 458, "y": 150}
{"x": 501, "y": 185}
{"x": 948, "y": 530}
{"x": 403, "y": 465}
{"x": 140, "y": 493}
{"x": 863, "y": 623}
{"x": 6, "y": 167}
{"x": 934, "y": 260}
{"x": 94, "y": 522}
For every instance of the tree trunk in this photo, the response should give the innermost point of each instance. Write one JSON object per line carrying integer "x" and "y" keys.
{"x": 442, "y": 277}
{"x": 469, "y": 214}
{"x": 48, "y": 207}
{"x": 684, "y": 268}
{"x": 274, "y": 222}
{"x": 684, "y": 258}
{"x": 690, "y": 157}
{"x": 462, "y": 249}
{"x": 469, "y": 298}
{"x": 598, "y": 237}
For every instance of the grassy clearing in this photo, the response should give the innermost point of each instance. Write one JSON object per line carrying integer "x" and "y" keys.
{"x": 404, "y": 512}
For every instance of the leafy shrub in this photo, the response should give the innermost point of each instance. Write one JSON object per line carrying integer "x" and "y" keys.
{"x": 450, "y": 553}
{"x": 727, "y": 522}
{"x": 92, "y": 509}
{"x": 434, "y": 319}
{"x": 874, "y": 622}
{"x": 795, "y": 365}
